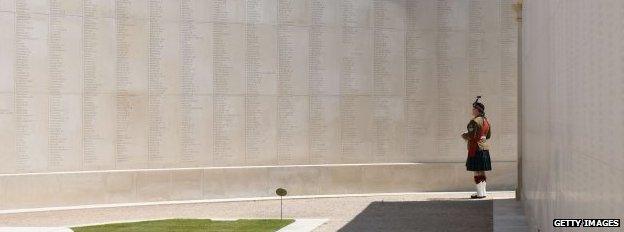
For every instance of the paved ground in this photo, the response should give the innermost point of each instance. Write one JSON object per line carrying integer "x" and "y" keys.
{"x": 509, "y": 216}
{"x": 34, "y": 229}
{"x": 449, "y": 215}
{"x": 406, "y": 212}
{"x": 303, "y": 225}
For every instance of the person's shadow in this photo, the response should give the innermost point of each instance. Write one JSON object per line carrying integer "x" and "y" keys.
{"x": 435, "y": 215}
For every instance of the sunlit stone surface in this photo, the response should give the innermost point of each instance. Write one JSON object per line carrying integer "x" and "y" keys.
{"x": 91, "y": 91}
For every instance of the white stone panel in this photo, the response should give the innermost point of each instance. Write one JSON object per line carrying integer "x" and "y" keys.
{"x": 572, "y": 110}
{"x": 105, "y": 91}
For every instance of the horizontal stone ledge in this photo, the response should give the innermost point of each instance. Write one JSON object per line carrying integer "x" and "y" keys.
{"x": 233, "y": 167}
{"x": 231, "y": 200}
{"x": 161, "y": 185}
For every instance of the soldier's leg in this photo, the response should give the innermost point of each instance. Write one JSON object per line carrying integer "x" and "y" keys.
{"x": 477, "y": 179}
{"x": 483, "y": 184}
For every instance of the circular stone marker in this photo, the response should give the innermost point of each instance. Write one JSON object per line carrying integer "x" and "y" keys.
{"x": 281, "y": 192}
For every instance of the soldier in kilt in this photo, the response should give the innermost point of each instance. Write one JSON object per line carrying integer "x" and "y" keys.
{"x": 477, "y": 137}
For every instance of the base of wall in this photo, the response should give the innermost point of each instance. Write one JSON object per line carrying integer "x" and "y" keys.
{"x": 23, "y": 191}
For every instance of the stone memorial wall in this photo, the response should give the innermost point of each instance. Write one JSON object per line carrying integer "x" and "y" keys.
{"x": 573, "y": 107}
{"x": 108, "y": 101}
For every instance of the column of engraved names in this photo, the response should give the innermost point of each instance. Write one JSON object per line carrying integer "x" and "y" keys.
{"x": 387, "y": 80}
{"x": 131, "y": 71}
{"x": 354, "y": 89}
{"x": 164, "y": 83}
{"x": 285, "y": 102}
{"x": 387, "y": 28}
{"x": 92, "y": 84}
{"x": 122, "y": 81}
{"x": 443, "y": 76}
{"x": 156, "y": 83}
{"x": 475, "y": 42}
{"x": 415, "y": 65}
{"x": 508, "y": 76}
{"x": 293, "y": 102}
{"x": 63, "y": 88}
{"x": 97, "y": 92}
{"x": 190, "y": 103}
{"x": 227, "y": 140}
{"x": 24, "y": 87}
{"x": 260, "y": 98}
{"x": 7, "y": 90}
{"x": 252, "y": 77}
{"x": 57, "y": 143}
{"x": 323, "y": 85}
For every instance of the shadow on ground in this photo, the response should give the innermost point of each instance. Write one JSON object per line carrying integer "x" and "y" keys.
{"x": 436, "y": 215}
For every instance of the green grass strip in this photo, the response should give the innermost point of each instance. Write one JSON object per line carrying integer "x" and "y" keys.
{"x": 190, "y": 225}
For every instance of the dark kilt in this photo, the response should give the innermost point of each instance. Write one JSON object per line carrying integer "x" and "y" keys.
{"x": 479, "y": 162}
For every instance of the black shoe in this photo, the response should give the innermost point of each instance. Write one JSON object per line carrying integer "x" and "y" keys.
{"x": 475, "y": 196}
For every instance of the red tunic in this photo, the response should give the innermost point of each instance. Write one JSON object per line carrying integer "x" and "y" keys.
{"x": 473, "y": 142}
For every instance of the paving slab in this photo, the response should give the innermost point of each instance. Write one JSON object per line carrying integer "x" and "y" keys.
{"x": 34, "y": 229}
{"x": 303, "y": 225}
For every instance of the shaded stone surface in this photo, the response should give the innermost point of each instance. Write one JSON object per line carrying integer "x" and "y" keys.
{"x": 509, "y": 216}
{"x": 437, "y": 215}
{"x": 573, "y": 111}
